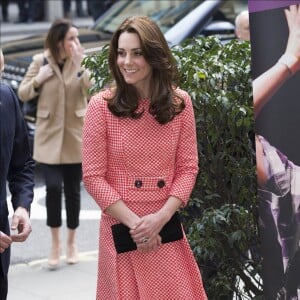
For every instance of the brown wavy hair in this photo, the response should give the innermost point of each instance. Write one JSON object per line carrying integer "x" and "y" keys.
{"x": 57, "y": 34}
{"x": 165, "y": 103}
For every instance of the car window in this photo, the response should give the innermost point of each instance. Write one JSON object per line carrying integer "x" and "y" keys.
{"x": 166, "y": 13}
{"x": 176, "y": 13}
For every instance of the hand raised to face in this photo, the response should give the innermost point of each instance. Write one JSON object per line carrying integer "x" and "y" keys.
{"x": 76, "y": 52}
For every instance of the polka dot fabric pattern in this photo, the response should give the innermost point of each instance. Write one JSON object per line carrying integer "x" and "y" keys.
{"x": 143, "y": 163}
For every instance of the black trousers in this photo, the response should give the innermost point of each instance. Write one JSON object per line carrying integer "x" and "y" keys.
{"x": 4, "y": 263}
{"x": 3, "y": 286}
{"x": 28, "y": 9}
{"x": 62, "y": 178}
{"x": 3, "y": 274}
{"x": 4, "y": 4}
{"x": 67, "y": 7}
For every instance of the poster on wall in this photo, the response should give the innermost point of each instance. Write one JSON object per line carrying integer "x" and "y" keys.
{"x": 275, "y": 54}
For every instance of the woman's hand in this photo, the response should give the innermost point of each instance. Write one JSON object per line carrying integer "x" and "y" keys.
{"x": 44, "y": 73}
{"x": 293, "y": 20}
{"x": 146, "y": 232}
{"x": 148, "y": 227}
{"x": 76, "y": 51}
{"x": 149, "y": 246}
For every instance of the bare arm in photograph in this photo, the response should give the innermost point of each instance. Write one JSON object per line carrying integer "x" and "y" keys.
{"x": 268, "y": 83}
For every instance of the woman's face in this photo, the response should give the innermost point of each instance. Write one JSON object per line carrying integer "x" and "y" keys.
{"x": 70, "y": 41}
{"x": 132, "y": 64}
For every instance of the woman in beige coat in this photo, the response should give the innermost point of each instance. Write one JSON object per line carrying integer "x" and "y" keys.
{"x": 62, "y": 86}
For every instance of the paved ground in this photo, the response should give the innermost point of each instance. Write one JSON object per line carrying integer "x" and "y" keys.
{"x": 34, "y": 281}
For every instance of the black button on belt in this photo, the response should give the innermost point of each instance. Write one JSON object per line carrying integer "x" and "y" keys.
{"x": 138, "y": 183}
{"x": 161, "y": 183}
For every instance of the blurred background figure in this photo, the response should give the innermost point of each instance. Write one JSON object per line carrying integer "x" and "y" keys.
{"x": 97, "y": 7}
{"x": 30, "y": 10}
{"x": 4, "y": 8}
{"x": 62, "y": 85}
{"x": 242, "y": 26}
{"x": 67, "y": 8}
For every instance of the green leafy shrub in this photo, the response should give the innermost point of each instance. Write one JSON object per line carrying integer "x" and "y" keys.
{"x": 221, "y": 219}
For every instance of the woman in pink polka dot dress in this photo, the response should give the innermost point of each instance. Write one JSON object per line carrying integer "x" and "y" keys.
{"x": 139, "y": 164}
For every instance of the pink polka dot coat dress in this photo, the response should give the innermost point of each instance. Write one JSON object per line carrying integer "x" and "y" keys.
{"x": 118, "y": 152}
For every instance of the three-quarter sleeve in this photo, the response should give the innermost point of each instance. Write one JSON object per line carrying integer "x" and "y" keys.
{"x": 186, "y": 165}
{"x": 94, "y": 154}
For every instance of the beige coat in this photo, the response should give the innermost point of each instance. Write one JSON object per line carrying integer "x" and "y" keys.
{"x": 60, "y": 112}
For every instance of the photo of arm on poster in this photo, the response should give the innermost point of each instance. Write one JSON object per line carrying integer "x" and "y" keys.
{"x": 278, "y": 176}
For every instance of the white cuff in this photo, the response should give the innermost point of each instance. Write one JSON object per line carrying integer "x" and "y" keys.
{"x": 291, "y": 61}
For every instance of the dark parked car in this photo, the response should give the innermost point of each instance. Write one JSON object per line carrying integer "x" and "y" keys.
{"x": 178, "y": 19}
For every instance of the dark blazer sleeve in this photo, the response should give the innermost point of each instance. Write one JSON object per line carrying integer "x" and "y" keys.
{"x": 20, "y": 173}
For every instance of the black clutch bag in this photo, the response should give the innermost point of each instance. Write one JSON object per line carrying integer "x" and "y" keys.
{"x": 172, "y": 231}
